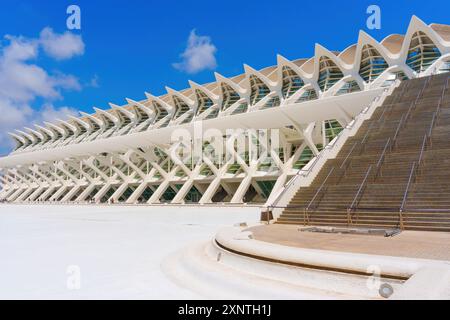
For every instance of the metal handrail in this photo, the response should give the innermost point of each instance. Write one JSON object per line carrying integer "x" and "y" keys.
{"x": 294, "y": 178}
{"x": 400, "y": 123}
{"x": 409, "y": 111}
{"x": 405, "y": 194}
{"x": 412, "y": 175}
{"x": 382, "y": 114}
{"x": 422, "y": 90}
{"x": 422, "y": 150}
{"x": 348, "y": 155}
{"x": 301, "y": 172}
{"x": 355, "y": 199}
{"x": 382, "y": 157}
{"x": 367, "y": 133}
{"x": 363, "y": 141}
{"x": 430, "y": 131}
{"x": 312, "y": 166}
{"x": 403, "y": 90}
{"x": 319, "y": 190}
{"x": 344, "y": 165}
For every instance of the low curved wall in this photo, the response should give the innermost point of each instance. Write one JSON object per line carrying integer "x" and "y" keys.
{"x": 237, "y": 241}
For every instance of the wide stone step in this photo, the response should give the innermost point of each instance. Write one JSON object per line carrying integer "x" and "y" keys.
{"x": 428, "y": 228}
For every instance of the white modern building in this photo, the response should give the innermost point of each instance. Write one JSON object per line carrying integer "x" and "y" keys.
{"x": 129, "y": 153}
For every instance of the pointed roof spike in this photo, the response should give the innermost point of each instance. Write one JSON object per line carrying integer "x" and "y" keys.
{"x": 281, "y": 59}
{"x": 416, "y": 19}
{"x": 192, "y": 83}
{"x": 249, "y": 69}
{"x": 131, "y": 115}
{"x": 235, "y": 86}
{"x": 148, "y": 110}
{"x": 84, "y": 114}
{"x": 16, "y": 136}
{"x": 35, "y": 132}
{"x": 26, "y": 135}
{"x": 262, "y": 77}
{"x": 171, "y": 91}
{"x": 163, "y": 104}
{"x": 319, "y": 49}
{"x": 149, "y": 96}
{"x": 114, "y": 106}
{"x": 208, "y": 92}
{"x": 219, "y": 77}
{"x": 67, "y": 124}
{"x": 46, "y": 130}
{"x": 52, "y": 125}
{"x": 130, "y": 101}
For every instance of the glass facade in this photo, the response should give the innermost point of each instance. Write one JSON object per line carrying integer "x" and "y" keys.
{"x": 160, "y": 111}
{"x": 304, "y": 158}
{"x": 193, "y": 196}
{"x": 291, "y": 82}
{"x": 243, "y": 107}
{"x": 349, "y": 87}
{"x": 204, "y": 102}
{"x": 169, "y": 194}
{"x": 266, "y": 187}
{"x": 142, "y": 116}
{"x": 146, "y": 195}
{"x": 272, "y": 102}
{"x": 180, "y": 106}
{"x": 258, "y": 90}
{"x": 230, "y": 96}
{"x": 329, "y": 73}
{"x": 445, "y": 67}
{"x": 422, "y": 52}
{"x": 332, "y": 129}
{"x": 309, "y": 94}
{"x": 372, "y": 64}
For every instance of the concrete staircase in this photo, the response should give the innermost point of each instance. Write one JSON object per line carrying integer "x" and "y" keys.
{"x": 395, "y": 172}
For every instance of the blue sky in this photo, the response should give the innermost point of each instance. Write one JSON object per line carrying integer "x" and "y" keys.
{"x": 130, "y": 46}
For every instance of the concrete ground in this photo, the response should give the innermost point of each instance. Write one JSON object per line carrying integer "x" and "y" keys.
{"x": 101, "y": 252}
{"x": 412, "y": 244}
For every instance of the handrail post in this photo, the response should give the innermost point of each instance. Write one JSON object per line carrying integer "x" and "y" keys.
{"x": 401, "y": 224}
{"x": 405, "y": 195}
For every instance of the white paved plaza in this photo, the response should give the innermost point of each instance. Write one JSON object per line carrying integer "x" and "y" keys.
{"x": 118, "y": 250}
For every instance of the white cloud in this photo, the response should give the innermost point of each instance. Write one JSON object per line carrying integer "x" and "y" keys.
{"x": 49, "y": 113}
{"x": 22, "y": 83}
{"x": 199, "y": 54}
{"x": 94, "y": 82}
{"x": 20, "y": 49}
{"x": 13, "y": 113}
{"x": 61, "y": 46}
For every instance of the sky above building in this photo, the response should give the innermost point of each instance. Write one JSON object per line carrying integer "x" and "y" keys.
{"x": 126, "y": 48}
